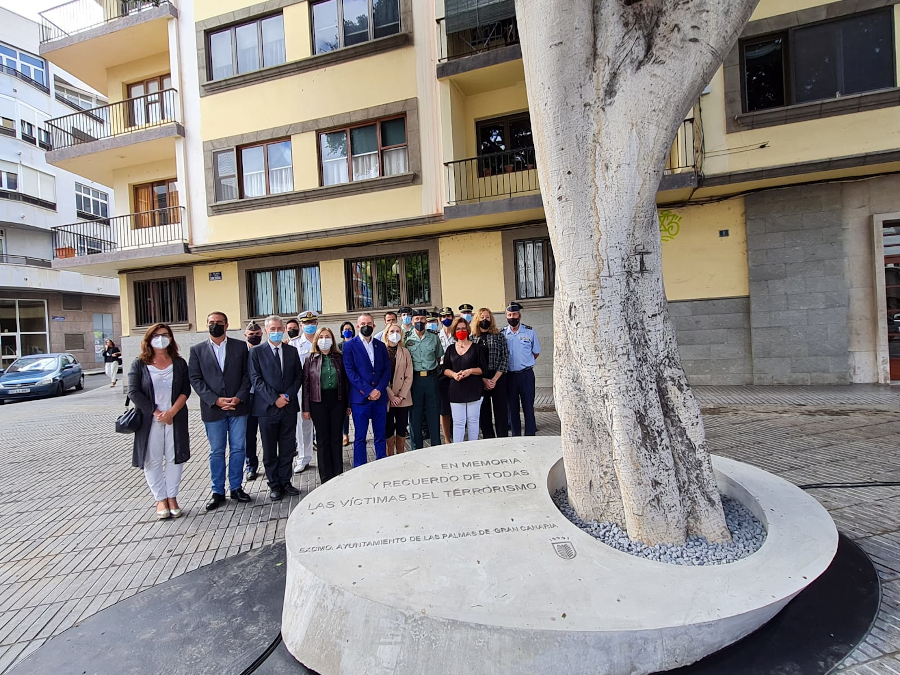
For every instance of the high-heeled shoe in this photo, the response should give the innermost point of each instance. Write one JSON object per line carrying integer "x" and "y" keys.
{"x": 177, "y": 513}
{"x": 162, "y": 515}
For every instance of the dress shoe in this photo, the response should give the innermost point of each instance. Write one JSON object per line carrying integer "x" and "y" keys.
{"x": 162, "y": 515}
{"x": 240, "y": 495}
{"x": 177, "y": 513}
{"x": 300, "y": 468}
{"x": 275, "y": 495}
{"x": 251, "y": 474}
{"x": 215, "y": 501}
{"x": 290, "y": 490}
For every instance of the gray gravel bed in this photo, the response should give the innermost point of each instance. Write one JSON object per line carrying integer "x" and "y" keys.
{"x": 747, "y": 533}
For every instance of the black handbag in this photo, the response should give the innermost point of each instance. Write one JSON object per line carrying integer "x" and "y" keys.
{"x": 130, "y": 420}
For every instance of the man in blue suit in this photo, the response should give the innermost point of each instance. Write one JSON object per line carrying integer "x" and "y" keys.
{"x": 369, "y": 371}
{"x": 276, "y": 375}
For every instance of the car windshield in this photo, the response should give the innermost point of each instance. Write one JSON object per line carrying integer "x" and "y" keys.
{"x": 36, "y": 364}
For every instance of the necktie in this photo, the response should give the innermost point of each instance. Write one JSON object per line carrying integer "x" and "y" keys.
{"x": 278, "y": 361}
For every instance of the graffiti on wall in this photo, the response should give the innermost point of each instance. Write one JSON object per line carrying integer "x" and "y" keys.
{"x": 669, "y": 225}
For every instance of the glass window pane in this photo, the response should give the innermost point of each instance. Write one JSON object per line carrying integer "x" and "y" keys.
{"x": 520, "y": 134}
{"x": 815, "y": 57}
{"x": 868, "y": 53}
{"x": 226, "y": 181}
{"x": 393, "y": 132}
{"x": 220, "y": 55}
{"x": 387, "y": 17}
{"x": 364, "y": 146}
{"x": 312, "y": 289}
{"x": 764, "y": 74}
{"x": 491, "y": 139}
{"x": 253, "y": 165}
{"x": 325, "y": 26}
{"x": 281, "y": 172}
{"x": 264, "y": 301}
{"x": 360, "y": 283}
{"x": 33, "y": 344}
{"x": 32, "y": 316}
{"x": 334, "y": 158}
{"x": 273, "y": 41}
{"x": 356, "y": 21}
{"x": 37, "y": 63}
{"x": 395, "y": 162}
{"x": 287, "y": 291}
{"x": 247, "y": 47}
{"x": 7, "y": 51}
{"x": 388, "y": 282}
{"x": 418, "y": 287}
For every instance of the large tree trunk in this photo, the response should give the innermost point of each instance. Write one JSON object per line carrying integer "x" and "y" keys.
{"x": 609, "y": 83}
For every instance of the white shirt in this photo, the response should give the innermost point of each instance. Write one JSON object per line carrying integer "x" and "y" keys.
{"x": 370, "y": 348}
{"x": 279, "y": 353}
{"x": 219, "y": 351}
{"x": 303, "y": 347}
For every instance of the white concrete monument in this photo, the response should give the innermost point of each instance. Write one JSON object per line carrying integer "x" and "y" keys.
{"x": 456, "y": 561}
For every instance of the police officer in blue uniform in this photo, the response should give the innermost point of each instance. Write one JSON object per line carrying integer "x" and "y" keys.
{"x": 524, "y": 349}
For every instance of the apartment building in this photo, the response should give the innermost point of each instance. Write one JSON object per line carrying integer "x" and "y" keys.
{"x": 44, "y": 309}
{"x": 348, "y": 155}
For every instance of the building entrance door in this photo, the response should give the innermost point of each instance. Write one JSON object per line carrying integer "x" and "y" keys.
{"x": 103, "y": 331}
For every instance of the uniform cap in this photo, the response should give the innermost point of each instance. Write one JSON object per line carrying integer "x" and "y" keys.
{"x": 418, "y": 312}
{"x": 447, "y": 311}
{"x": 432, "y": 316}
{"x": 466, "y": 308}
{"x": 406, "y": 310}
{"x": 513, "y": 306}
{"x": 253, "y": 326}
{"x": 308, "y": 315}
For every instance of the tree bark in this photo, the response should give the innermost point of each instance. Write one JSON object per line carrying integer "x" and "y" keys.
{"x": 609, "y": 83}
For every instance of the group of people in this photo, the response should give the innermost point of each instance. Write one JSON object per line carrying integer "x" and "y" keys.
{"x": 298, "y": 385}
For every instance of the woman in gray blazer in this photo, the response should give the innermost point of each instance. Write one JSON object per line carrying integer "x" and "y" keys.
{"x": 159, "y": 385}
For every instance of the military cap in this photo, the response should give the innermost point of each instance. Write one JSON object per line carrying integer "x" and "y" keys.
{"x": 308, "y": 315}
{"x": 432, "y": 316}
{"x": 466, "y": 308}
{"x": 447, "y": 311}
{"x": 513, "y": 306}
{"x": 406, "y": 310}
{"x": 418, "y": 312}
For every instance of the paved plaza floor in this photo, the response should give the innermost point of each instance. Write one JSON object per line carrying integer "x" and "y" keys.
{"x": 78, "y": 530}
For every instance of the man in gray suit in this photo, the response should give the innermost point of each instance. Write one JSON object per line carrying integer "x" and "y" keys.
{"x": 220, "y": 376}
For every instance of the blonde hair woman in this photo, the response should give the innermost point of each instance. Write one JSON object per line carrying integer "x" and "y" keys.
{"x": 398, "y": 390}
{"x": 489, "y": 336}
{"x": 325, "y": 399}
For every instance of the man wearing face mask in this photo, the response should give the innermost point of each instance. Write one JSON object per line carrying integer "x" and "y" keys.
{"x": 432, "y": 322}
{"x": 426, "y": 352}
{"x": 390, "y": 318}
{"x": 368, "y": 371}
{"x": 303, "y": 343}
{"x": 406, "y": 319}
{"x": 524, "y": 349}
{"x": 276, "y": 374}
{"x": 292, "y": 328}
{"x": 253, "y": 335}
{"x": 219, "y": 374}
{"x": 465, "y": 311}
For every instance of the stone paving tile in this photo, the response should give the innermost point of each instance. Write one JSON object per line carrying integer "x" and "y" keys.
{"x": 95, "y": 540}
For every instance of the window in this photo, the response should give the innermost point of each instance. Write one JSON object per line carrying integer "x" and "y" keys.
{"x": 285, "y": 291}
{"x": 821, "y": 61}
{"x": 44, "y": 139}
{"x": 78, "y": 98}
{"x": 28, "y": 132}
{"x": 91, "y": 203}
{"x": 535, "y": 268}
{"x": 156, "y": 204}
{"x": 369, "y": 151}
{"x": 74, "y": 342}
{"x": 7, "y": 126}
{"x": 9, "y": 181}
{"x": 160, "y": 301}
{"x": 226, "y": 175}
{"x": 148, "y": 105}
{"x": 72, "y": 302}
{"x": 379, "y": 283}
{"x": 37, "y": 184}
{"x": 343, "y": 23}
{"x": 247, "y": 47}
{"x": 30, "y": 66}
{"x": 505, "y": 144}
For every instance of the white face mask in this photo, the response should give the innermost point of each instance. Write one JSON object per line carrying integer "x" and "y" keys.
{"x": 393, "y": 338}
{"x": 160, "y": 341}
{"x": 325, "y": 343}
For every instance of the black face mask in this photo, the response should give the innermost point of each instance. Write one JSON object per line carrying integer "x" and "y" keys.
{"x": 366, "y": 331}
{"x": 419, "y": 326}
{"x": 484, "y": 324}
{"x": 513, "y": 322}
{"x": 254, "y": 339}
{"x": 217, "y": 330}
{"x": 293, "y": 332}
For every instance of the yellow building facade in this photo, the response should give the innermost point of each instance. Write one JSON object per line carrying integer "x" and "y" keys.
{"x": 347, "y": 156}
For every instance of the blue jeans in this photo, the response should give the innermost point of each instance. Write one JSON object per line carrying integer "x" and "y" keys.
{"x": 231, "y": 431}
{"x": 363, "y": 413}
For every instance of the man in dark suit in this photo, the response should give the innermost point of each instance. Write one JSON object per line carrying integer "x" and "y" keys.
{"x": 368, "y": 371}
{"x": 219, "y": 375}
{"x": 276, "y": 375}
{"x": 253, "y": 335}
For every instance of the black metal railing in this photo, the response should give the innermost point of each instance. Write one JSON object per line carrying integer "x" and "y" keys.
{"x": 136, "y": 230}
{"x": 15, "y": 196}
{"x": 115, "y": 119}
{"x": 9, "y": 70}
{"x": 495, "y": 175}
{"x": 476, "y": 40}
{"x": 7, "y": 259}
{"x": 77, "y": 16}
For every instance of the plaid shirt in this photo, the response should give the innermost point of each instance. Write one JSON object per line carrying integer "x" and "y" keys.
{"x": 498, "y": 351}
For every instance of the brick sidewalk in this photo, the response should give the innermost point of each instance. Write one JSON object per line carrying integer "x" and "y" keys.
{"x": 78, "y": 530}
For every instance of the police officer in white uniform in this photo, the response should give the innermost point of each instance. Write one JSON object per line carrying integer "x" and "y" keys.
{"x": 309, "y": 323}
{"x": 524, "y": 349}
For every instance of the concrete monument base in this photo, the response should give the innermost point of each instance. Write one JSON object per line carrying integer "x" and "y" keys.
{"x": 455, "y": 561}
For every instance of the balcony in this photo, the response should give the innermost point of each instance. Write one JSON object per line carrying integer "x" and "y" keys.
{"x": 87, "y": 37}
{"x": 503, "y": 182}
{"x": 23, "y": 260}
{"x": 110, "y": 244}
{"x": 94, "y": 143}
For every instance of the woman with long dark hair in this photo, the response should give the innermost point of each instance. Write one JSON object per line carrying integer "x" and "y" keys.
{"x": 158, "y": 384}
{"x": 111, "y": 356}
